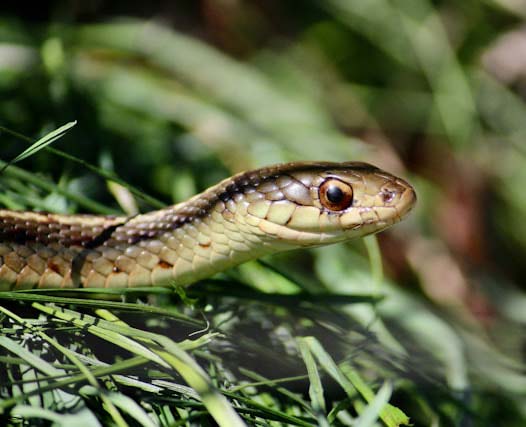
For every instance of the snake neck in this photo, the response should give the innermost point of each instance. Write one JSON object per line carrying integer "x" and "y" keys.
{"x": 181, "y": 247}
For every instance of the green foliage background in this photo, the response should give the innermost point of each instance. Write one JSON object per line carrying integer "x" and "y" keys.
{"x": 172, "y": 97}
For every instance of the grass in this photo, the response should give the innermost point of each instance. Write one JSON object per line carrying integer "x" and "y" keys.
{"x": 176, "y": 379}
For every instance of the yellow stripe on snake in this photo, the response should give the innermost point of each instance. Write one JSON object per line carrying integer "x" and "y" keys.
{"x": 244, "y": 217}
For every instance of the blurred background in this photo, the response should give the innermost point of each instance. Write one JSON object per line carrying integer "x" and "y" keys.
{"x": 173, "y": 96}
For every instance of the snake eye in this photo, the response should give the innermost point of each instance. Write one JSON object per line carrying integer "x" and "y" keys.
{"x": 335, "y": 195}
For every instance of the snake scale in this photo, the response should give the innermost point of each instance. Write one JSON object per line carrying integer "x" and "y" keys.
{"x": 249, "y": 215}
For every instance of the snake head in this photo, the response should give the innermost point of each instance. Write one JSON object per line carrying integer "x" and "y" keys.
{"x": 311, "y": 204}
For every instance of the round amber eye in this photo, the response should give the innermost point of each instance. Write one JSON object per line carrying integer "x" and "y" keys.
{"x": 335, "y": 195}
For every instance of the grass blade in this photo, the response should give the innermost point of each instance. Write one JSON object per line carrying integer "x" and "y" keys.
{"x": 351, "y": 382}
{"x": 41, "y": 144}
{"x": 371, "y": 413}
{"x": 316, "y": 387}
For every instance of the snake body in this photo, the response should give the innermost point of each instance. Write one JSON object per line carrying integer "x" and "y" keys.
{"x": 246, "y": 216}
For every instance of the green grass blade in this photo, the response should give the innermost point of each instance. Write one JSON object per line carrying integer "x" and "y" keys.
{"x": 351, "y": 382}
{"x": 371, "y": 413}
{"x": 316, "y": 387}
{"x": 129, "y": 406}
{"x": 40, "y": 295}
{"x": 83, "y": 418}
{"x": 112, "y": 336}
{"x": 375, "y": 260}
{"x": 41, "y": 143}
{"x": 29, "y": 358}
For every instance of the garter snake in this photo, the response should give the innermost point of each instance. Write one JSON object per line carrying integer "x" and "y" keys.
{"x": 246, "y": 216}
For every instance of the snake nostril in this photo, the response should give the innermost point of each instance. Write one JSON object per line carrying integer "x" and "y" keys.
{"x": 388, "y": 196}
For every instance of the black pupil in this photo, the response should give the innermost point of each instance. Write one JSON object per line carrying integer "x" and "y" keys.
{"x": 334, "y": 194}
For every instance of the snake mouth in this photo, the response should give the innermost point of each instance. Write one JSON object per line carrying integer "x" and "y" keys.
{"x": 407, "y": 199}
{"x": 399, "y": 195}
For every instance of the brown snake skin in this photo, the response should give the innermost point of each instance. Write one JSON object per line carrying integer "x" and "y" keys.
{"x": 246, "y": 216}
